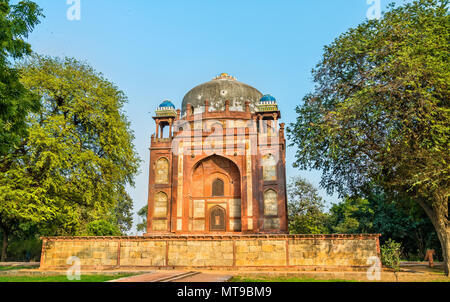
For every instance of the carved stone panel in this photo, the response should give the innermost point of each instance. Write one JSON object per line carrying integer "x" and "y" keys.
{"x": 160, "y": 205}
{"x": 160, "y": 225}
{"x": 235, "y": 208}
{"x": 199, "y": 225}
{"x": 162, "y": 171}
{"x": 270, "y": 203}
{"x": 271, "y": 223}
{"x": 269, "y": 168}
{"x": 199, "y": 208}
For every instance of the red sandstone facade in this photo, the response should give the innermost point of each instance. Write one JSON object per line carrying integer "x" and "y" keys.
{"x": 218, "y": 170}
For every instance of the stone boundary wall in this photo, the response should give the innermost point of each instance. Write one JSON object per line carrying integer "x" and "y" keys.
{"x": 213, "y": 251}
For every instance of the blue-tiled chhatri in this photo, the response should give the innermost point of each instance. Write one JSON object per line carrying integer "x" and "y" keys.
{"x": 267, "y": 104}
{"x": 166, "y": 104}
{"x": 268, "y": 98}
{"x": 167, "y": 108}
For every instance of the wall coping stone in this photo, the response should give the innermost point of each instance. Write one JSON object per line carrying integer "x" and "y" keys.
{"x": 216, "y": 237}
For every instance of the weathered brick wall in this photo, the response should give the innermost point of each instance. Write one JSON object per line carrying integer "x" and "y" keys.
{"x": 233, "y": 252}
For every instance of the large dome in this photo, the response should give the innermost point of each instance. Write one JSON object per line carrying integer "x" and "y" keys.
{"x": 217, "y": 91}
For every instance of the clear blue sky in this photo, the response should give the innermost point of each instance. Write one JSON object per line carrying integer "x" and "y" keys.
{"x": 157, "y": 50}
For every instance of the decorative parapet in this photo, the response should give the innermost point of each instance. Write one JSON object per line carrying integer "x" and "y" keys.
{"x": 267, "y": 106}
{"x": 166, "y": 111}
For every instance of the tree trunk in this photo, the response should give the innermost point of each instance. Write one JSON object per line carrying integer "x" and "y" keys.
{"x": 438, "y": 214}
{"x": 4, "y": 245}
{"x": 445, "y": 242}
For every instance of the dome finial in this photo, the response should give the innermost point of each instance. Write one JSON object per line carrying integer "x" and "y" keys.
{"x": 224, "y": 76}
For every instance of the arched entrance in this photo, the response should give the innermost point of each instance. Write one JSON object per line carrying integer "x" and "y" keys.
{"x": 217, "y": 218}
{"x": 215, "y": 192}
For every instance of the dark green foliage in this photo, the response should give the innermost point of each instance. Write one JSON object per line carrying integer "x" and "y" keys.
{"x": 25, "y": 250}
{"x": 390, "y": 254}
{"x": 380, "y": 111}
{"x": 352, "y": 216}
{"x": 16, "y": 22}
{"x": 73, "y": 166}
{"x": 398, "y": 219}
{"x": 102, "y": 228}
{"x": 305, "y": 208}
{"x": 142, "y": 213}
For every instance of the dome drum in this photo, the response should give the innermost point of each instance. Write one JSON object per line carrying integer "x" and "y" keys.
{"x": 221, "y": 89}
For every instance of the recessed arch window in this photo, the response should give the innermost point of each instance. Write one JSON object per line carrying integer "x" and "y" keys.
{"x": 217, "y": 219}
{"x": 270, "y": 203}
{"x": 216, "y": 127}
{"x": 218, "y": 187}
{"x": 269, "y": 167}
{"x": 160, "y": 205}
{"x": 162, "y": 171}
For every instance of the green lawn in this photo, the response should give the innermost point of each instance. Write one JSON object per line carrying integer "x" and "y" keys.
{"x": 10, "y": 268}
{"x": 284, "y": 279}
{"x": 61, "y": 278}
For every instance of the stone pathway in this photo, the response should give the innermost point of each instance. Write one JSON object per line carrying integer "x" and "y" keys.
{"x": 176, "y": 276}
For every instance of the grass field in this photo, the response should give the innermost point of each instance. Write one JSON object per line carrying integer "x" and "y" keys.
{"x": 10, "y": 268}
{"x": 284, "y": 279}
{"x": 61, "y": 278}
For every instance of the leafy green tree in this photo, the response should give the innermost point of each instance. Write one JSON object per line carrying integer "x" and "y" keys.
{"x": 16, "y": 22}
{"x": 352, "y": 216}
{"x": 399, "y": 219}
{"x": 142, "y": 213}
{"x": 380, "y": 111}
{"x": 305, "y": 208}
{"x": 390, "y": 255}
{"x": 123, "y": 212}
{"x": 73, "y": 167}
{"x": 102, "y": 228}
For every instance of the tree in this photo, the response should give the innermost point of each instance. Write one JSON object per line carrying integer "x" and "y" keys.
{"x": 402, "y": 220}
{"x": 142, "y": 213}
{"x": 380, "y": 111}
{"x": 102, "y": 228}
{"x": 390, "y": 255}
{"x": 352, "y": 216}
{"x": 16, "y": 22}
{"x": 74, "y": 165}
{"x": 305, "y": 208}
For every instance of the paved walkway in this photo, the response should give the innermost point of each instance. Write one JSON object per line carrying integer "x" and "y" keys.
{"x": 177, "y": 276}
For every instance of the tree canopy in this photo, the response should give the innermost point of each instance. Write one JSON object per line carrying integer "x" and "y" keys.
{"x": 380, "y": 113}
{"x": 74, "y": 165}
{"x": 16, "y": 22}
{"x": 142, "y": 214}
{"x": 305, "y": 208}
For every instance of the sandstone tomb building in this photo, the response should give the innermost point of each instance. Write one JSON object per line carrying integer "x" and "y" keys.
{"x": 218, "y": 164}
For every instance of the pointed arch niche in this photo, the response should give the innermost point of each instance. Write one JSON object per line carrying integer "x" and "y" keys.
{"x": 160, "y": 207}
{"x": 216, "y": 182}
